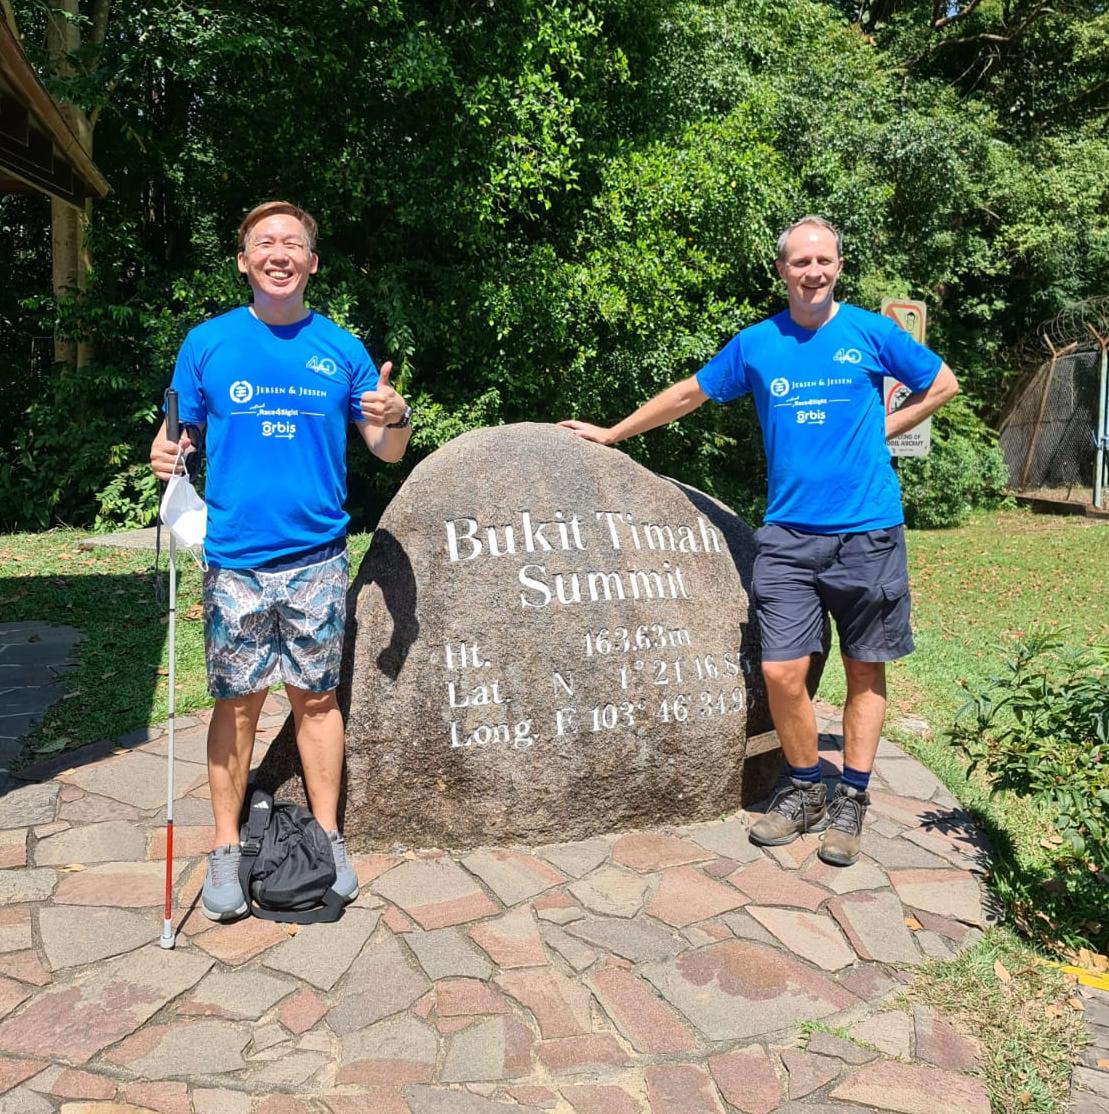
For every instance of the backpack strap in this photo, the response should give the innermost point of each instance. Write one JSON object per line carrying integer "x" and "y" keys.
{"x": 328, "y": 911}
{"x": 258, "y": 819}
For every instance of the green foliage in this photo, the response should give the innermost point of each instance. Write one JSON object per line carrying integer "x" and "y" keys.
{"x": 963, "y": 472}
{"x": 1041, "y": 731}
{"x": 128, "y": 500}
{"x": 551, "y": 210}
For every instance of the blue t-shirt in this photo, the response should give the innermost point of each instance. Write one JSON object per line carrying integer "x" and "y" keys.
{"x": 276, "y": 400}
{"x": 818, "y": 396}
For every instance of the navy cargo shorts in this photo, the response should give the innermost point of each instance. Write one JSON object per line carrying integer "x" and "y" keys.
{"x": 861, "y": 578}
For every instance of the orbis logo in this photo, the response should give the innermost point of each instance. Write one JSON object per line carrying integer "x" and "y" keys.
{"x": 279, "y": 429}
{"x": 241, "y": 391}
{"x": 811, "y": 417}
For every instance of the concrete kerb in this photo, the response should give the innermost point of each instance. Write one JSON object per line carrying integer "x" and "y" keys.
{"x": 144, "y": 538}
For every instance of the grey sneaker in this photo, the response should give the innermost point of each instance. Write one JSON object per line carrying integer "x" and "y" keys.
{"x": 346, "y": 881}
{"x": 222, "y": 897}
{"x": 846, "y": 811}
{"x": 796, "y": 809}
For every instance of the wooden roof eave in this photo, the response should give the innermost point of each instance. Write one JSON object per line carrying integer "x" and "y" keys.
{"x": 25, "y": 83}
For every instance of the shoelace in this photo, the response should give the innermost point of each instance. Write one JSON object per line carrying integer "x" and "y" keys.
{"x": 789, "y": 801}
{"x": 845, "y": 814}
{"x": 225, "y": 865}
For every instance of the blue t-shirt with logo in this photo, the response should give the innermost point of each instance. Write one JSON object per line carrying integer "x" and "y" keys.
{"x": 276, "y": 400}
{"x": 818, "y": 395}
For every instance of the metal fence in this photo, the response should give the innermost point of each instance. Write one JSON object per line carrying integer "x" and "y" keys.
{"x": 1048, "y": 437}
{"x": 1054, "y": 432}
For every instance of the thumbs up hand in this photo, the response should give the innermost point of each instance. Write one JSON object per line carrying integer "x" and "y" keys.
{"x": 382, "y": 406}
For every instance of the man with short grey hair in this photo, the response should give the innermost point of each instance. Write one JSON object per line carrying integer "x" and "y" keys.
{"x": 833, "y": 535}
{"x": 816, "y": 222}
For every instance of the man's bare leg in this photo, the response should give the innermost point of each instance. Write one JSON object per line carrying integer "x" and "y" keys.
{"x": 230, "y": 748}
{"x": 801, "y": 806}
{"x": 864, "y": 712}
{"x": 791, "y": 709}
{"x": 319, "y": 732}
{"x": 319, "y": 735}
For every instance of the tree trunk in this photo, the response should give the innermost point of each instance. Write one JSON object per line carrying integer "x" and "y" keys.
{"x": 68, "y": 225}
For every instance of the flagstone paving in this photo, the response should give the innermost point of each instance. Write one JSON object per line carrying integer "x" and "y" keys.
{"x": 661, "y": 972}
{"x": 33, "y": 656}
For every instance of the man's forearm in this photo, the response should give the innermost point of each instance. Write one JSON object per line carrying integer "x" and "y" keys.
{"x": 675, "y": 402}
{"x": 923, "y": 404}
{"x": 387, "y": 444}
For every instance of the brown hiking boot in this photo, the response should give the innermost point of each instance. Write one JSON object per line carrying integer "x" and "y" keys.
{"x": 846, "y": 810}
{"x": 797, "y": 808}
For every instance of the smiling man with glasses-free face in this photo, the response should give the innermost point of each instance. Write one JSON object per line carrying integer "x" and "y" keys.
{"x": 277, "y": 256}
{"x": 809, "y": 262}
{"x": 832, "y": 539}
{"x": 275, "y": 386}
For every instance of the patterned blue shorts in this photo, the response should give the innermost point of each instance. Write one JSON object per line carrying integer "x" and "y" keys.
{"x": 259, "y": 625}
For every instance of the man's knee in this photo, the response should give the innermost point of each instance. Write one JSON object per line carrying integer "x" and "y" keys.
{"x": 308, "y": 703}
{"x": 865, "y": 674}
{"x": 786, "y": 678}
{"x": 240, "y": 709}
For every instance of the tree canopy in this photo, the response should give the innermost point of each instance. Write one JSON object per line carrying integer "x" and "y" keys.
{"x": 541, "y": 209}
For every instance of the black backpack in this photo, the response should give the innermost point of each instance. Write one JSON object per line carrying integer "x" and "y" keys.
{"x": 287, "y": 868}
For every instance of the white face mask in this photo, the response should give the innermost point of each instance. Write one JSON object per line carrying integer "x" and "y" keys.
{"x": 184, "y": 512}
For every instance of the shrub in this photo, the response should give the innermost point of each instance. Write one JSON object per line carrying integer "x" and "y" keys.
{"x": 964, "y": 471}
{"x": 1041, "y": 731}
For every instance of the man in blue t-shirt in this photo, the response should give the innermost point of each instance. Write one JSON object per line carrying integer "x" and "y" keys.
{"x": 833, "y": 535}
{"x": 274, "y": 387}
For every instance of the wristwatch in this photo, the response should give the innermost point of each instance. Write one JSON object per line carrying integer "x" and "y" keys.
{"x": 404, "y": 423}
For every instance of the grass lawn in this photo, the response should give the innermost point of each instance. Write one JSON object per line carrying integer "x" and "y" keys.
{"x": 113, "y": 597}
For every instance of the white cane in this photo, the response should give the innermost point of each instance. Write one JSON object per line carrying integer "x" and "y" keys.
{"x": 167, "y": 940}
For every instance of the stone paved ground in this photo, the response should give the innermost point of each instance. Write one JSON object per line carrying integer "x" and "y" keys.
{"x": 677, "y": 971}
{"x": 33, "y": 656}
{"x": 1090, "y": 1082}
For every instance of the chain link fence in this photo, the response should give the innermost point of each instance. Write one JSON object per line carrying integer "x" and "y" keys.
{"x": 1047, "y": 439}
{"x": 1050, "y": 427}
